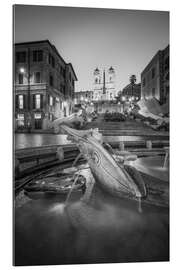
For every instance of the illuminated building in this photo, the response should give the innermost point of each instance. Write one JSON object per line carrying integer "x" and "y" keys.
{"x": 44, "y": 85}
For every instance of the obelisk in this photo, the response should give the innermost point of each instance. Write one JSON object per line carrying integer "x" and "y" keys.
{"x": 104, "y": 86}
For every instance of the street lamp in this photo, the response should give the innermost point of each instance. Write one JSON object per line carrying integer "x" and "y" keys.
{"x": 22, "y": 70}
{"x": 123, "y": 98}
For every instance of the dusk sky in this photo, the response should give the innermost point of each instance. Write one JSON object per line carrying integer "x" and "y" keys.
{"x": 90, "y": 38}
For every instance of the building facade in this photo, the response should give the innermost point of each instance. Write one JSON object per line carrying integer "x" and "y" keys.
{"x": 83, "y": 97}
{"x": 155, "y": 77}
{"x": 104, "y": 85}
{"x": 43, "y": 85}
{"x": 132, "y": 92}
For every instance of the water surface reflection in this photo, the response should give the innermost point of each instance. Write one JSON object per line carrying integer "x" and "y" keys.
{"x": 106, "y": 229}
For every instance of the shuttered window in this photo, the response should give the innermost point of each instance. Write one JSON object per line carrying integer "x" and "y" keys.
{"x": 37, "y": 77}
{"x": 21, "y": 78}
{"x": 17, "y": 102}
{"x": 37, "y": 56}
{"x": 51, "y": 81}
{"x": 20, "y": 57}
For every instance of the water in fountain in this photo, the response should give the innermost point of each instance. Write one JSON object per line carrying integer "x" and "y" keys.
{"x": 139, "y": 205}
{"x": 166, "y": 161}
{"x": 73, "y": 185}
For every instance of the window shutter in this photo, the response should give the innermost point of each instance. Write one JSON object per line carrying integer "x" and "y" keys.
{"x": 34, "y": 101}
{"x": 17, "y": 101}
{"x": 24, "y": 102}
{"x": 41, "y": 101}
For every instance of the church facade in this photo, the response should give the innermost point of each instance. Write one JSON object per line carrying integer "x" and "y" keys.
{"x": 104, "y": 85}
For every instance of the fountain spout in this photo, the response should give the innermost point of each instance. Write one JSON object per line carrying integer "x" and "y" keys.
{"x": 166, "y": 159}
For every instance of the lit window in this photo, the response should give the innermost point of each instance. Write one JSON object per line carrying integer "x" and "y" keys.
{"x": 51, "y": 101}
{"x": 50, "y": 117}
{"x": 21, "y": 102}
{"x": 38, "y": 101}
{"x": 37, "y": 116}
{"x": 20, "y": 120}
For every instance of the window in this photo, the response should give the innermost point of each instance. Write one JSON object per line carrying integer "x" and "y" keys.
{"x": 62, "y": 71}
{"x": 38, "y": 102}
{"x": 37, "y": 121}
{"x": 73, "y": 83}
{"x": 21, "y": 102}
{"x": 166, "y": 66}
{"x": 153, "y": 92}
{"x": 96, "y": 80}
{"x": 37, "y": 56}
{"x": 50, "y": 117}
{"x": 20, "y": 57}
{"x": 37, "y": 77}
{"x": 21, "y": 78}
{"x": 144, "y": 81}
{"x": 37, "y": 116}
{"x": 51, "y": 82}
{"x": 153, "y": 73}
{"x": 51, "y": 101}
{"x": 20, "y": 120}
{"x": 51, "y": 60}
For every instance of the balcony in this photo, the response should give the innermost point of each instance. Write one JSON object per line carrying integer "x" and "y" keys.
{"x": 37, "y": 86}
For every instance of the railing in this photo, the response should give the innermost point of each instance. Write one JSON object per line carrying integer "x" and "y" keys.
{"x": 37, "y": 86}
{"x": 36, "y": 158}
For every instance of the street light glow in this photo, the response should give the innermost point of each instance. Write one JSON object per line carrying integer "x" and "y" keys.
{"x": 123, "y": 98}
{"x": 22, "y": 70}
